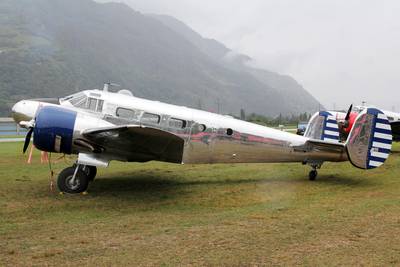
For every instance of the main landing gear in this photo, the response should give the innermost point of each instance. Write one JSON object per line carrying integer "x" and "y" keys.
{"x": 75, "y": 179}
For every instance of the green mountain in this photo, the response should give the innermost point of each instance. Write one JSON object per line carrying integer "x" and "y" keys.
{"x": 51, "y": 48}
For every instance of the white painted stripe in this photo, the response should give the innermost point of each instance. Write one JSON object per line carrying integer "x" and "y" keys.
{"x": 331, "y": 140}
{"x": 382, "y": 116}
{"x": 332, "y": 125}
{"x": 331, "y": 133}
{"x": 331, "y": 118}
{"x": 379, "y": 155}
{"x": 375, "y": 163}
{"x": 383, "y": 136}
{"x": 381, "y": 145}
{"x": 383, "y": 126}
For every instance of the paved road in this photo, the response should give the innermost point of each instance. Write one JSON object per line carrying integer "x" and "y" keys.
{"x": 10, "y": 140}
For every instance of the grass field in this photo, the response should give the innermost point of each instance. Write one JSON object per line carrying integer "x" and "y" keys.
{"x": 166, "y": 215}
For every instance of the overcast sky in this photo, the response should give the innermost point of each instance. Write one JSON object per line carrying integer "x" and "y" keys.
{"x": 341, "y": 51}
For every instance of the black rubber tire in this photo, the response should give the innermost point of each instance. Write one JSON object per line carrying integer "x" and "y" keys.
{"x": 313, "y": 175}
{"x": 91, "y": 171}
{"x": 81, "y": 181}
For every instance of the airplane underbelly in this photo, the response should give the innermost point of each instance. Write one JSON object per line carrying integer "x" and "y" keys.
{"x": 217, "y": 147}
{"x": 213, "y": 147}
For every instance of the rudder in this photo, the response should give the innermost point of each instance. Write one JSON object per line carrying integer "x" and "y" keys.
{"x": 323, "y": 126}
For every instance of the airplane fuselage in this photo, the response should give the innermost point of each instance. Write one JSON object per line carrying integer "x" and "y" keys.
{"x": 208, "y": 137}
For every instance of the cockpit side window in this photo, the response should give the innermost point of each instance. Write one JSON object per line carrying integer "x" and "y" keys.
{"x": 100, "y": 105}
{"x": 92, "y": 104}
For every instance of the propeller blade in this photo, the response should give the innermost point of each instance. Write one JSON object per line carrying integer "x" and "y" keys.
{"x": 27, "y": 139}
{"x": 348, "y": 113}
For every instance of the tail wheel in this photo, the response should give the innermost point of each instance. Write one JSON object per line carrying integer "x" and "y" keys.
{"x": 66, "y": 182}
{"x": 313, "y": 175}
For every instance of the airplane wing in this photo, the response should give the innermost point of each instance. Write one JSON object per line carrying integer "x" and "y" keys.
{"x": 137, "y": 143}
{"x": 319, "y": 145}
{"x": 396, "y": 130}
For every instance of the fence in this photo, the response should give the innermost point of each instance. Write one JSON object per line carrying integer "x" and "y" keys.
{"x": 10, "y": 128}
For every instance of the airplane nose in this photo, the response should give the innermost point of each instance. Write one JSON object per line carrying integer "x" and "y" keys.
{"x": 24, "y": 110}
{"x": 16, "y": 112}
{"x": 15, "y": 108}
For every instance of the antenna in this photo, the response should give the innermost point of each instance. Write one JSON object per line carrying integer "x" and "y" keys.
{"x": 107, "y": 86}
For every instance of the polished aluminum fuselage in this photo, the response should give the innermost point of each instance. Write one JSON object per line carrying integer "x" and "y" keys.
{"x": 208, "y": 137}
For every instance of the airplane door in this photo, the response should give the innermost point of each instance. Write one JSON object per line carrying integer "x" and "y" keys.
{"x": 200, "y": 144}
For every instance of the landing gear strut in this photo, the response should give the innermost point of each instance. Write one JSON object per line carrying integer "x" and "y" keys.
{"x": 75, "y": 179}
{"x": 90, "y": 171}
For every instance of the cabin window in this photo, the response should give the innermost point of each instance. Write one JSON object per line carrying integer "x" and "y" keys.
{"x": 176, "y": 123}
{"x": 202, "y": 128}
{"x": 150, "y": 118}
{"x": 390, "y": 118}
{"x": 128, "y": 114}
{"x": 125, "y": 113}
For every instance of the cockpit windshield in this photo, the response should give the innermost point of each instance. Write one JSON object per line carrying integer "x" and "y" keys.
{"x": 81, "y": 100}
{"x": 78, "y": 100}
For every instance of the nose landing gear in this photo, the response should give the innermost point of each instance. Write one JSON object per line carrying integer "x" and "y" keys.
{"x": 75, "y": 179}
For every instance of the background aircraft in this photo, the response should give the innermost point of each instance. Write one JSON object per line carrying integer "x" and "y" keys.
{"x": 346, "y": 121}
{"x": 100, "y": 126}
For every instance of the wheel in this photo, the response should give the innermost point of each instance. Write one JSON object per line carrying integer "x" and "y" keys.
{"x": 313, "y": 175}
{"x": 91, "y": 171}
{"x": 65, "y": 183}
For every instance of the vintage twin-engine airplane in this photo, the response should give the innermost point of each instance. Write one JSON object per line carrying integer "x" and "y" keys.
{"x": 101, "y": 126}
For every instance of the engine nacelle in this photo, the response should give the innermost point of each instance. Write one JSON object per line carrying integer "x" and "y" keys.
{"x": 54, "y": 129}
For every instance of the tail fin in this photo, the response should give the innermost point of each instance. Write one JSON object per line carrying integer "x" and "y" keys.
{"x": 370, "y": 140}
{"x": 323, "y": 126}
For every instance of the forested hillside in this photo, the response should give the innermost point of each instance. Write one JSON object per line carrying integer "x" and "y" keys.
{"x": 51, "y": 48}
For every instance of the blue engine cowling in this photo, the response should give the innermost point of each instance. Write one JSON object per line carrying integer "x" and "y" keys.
{"x": 54, "y": 129}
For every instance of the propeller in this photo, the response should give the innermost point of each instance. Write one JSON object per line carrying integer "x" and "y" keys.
{"x": 345, "y": 124}
{"x": 27, "y": 140}
{"x": 30, "y": 125}
{"x": 348, "y": 115}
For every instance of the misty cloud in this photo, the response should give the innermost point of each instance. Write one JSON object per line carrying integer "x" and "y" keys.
{"x": 341, "y": 51}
